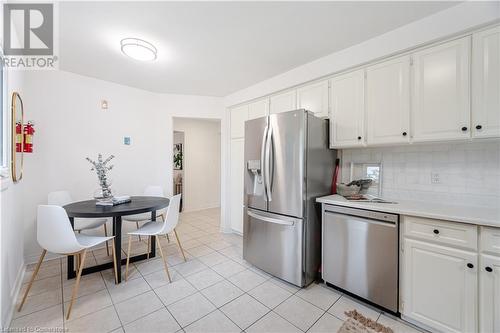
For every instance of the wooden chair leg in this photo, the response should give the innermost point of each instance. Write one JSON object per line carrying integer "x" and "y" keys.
{"x": 128, "y": 256}
{"x": 164, "y": 257}
{"x": 168, "y": 239}
{"x": 114, "y": 261}
{"x": 147, "y": 249}
{"x": 106, "y": 234}
{"x": 77, "y": 260}
{"x": 179, "y": 243}
{"x": 35, "y": 272}
{"x": 137, "y": 225}
{"x": 77, "y": 284}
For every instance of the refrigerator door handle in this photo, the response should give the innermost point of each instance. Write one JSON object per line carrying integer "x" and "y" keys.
{"x": 263, "y": 158}
{"x": 267, "y": 163}
{"x": 269, "y": 219}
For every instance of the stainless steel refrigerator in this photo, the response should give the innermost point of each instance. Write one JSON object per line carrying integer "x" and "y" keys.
{"x": 287, "y": 166}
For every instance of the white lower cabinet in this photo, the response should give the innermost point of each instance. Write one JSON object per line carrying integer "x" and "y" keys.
{"x": 236, "y": 188}
{"x": 489, "y": 294}
{"x": 440, "y": 286}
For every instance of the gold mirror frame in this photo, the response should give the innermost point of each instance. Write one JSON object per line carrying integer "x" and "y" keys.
{"x": 16, "y": 97}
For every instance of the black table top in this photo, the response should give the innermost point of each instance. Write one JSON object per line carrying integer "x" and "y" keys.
{"x": 138, "y": 205}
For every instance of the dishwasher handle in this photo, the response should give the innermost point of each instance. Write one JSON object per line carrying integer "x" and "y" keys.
{"x": 363, "y": 213}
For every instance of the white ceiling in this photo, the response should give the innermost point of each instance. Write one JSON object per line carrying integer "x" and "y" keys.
{"x": 216, "y": 48}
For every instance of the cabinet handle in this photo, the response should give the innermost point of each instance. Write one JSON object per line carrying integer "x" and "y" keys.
{"x": 488, "y": 269}
{"x": 464, "y": 129}
{"x": 470, "y": 265}
{"x": 478, "y": 127}
{"x": 404, "y": 133}
{"x": 359, "y": 138}
{"x": 436, "y": 231}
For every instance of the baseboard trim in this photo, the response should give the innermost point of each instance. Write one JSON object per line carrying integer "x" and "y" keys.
{"x": 195, "y": 209}
{"x": 236, "y": 232}
{"x": 14, "y": 294}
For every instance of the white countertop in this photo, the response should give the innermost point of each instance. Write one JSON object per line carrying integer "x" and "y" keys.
{"x": 467, "y": 214}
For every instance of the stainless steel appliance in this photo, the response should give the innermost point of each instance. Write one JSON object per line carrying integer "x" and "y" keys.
{"x": 288, "y": 165}
{"x": 360, "y": 253}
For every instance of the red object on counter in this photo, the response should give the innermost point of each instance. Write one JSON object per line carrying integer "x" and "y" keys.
{"x": 335, "y": 176}
{"x": 29, "y": 131}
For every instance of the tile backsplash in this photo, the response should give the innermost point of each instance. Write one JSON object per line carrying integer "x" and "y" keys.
{"x": 455, "y": 173}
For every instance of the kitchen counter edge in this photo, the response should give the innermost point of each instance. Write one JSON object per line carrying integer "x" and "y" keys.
{"x": 483, "y": 216}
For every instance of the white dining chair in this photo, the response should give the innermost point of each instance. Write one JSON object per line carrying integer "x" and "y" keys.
{"x": 153, "y": 191}
{"x": 160, "y": 229}
{"x": 62, "y": 198}
{"x": 54, "y": 234}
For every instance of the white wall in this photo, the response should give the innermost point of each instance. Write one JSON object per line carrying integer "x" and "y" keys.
{"x": 70, "y": 126}
{"x": 446, "y": 23}
{"x": 11, "y": 228}
{"x": 469, "y": 172}
{"x": 202, "y": 146}
{"x": 11, "y": 217}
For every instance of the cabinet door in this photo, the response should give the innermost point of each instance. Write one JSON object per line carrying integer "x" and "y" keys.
{"x": 347, "y": 102}
{"x": 238, "y": 117}
{"x": 236, "y": 174}
{"x": 258, "y": 109}
{"x": 440, "y": 290}
{"x": 314, "y": 98}
{"x": 440, "y": 100}
{"x": 286, "y": 101}
{"x": 489, "y": 294}
{"x": 388, "y": 102}
{"x": 486, "y": 83}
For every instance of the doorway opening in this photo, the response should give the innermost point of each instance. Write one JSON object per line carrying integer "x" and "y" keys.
{"x": 196, "y": 167}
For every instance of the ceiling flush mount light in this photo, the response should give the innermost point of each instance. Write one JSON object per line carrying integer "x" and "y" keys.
{"x": 138, "y": 49}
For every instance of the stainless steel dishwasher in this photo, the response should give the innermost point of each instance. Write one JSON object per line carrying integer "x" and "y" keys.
{"x": 360, "y": 253}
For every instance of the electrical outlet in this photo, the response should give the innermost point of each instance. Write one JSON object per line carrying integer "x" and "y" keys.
{"x": 435, "y": 178}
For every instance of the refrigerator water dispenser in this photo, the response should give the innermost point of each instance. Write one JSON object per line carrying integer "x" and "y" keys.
{"x": 254, "y": 167}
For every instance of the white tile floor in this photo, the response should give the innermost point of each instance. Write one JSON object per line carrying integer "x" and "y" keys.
{"x": 214, "y": 291}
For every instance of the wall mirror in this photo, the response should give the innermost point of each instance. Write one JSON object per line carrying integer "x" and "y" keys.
{"x": 17, "y": 118}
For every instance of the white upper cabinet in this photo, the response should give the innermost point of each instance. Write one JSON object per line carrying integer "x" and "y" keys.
{"x": 486, "y": 83}
{"x": 258, "y": 109}
{"x": 238, "y": 117}
{"x": 283, "y": 102}
{"x": 388, "y": 102}
{"x": 440, "y": 101}
{"x": 347, "y": 110}
{"x": 440, "y": 286}
{"x": 314, "y": 98}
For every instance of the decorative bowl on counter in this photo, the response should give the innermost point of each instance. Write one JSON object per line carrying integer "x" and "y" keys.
{"x": 347, "y": 190}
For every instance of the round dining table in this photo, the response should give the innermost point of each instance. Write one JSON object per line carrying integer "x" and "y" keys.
{"x": 89, "y": 209}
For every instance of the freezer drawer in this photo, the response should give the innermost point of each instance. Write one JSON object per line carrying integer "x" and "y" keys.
{"x": 360, "y": 255}
{"x": 273, "y": 243}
